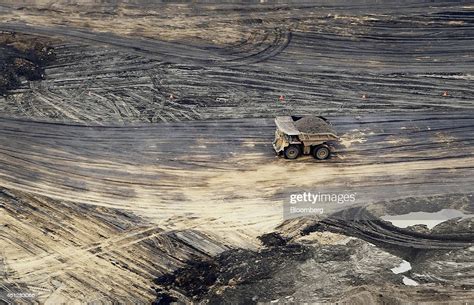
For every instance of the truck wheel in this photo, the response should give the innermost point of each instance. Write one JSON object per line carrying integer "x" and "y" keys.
{"x": 321, "y": 152}
{"x": 292, "y": 152}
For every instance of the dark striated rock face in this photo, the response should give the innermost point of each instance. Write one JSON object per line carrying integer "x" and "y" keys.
{"x": 457, "y": 225}
{"x": 273, "y": 239}
{"x": 419, "y": 228}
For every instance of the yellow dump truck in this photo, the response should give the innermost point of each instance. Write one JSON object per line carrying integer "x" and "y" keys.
{"x": 304, "y": 135}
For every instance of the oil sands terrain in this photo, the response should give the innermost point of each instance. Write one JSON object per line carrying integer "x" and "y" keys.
{"x": 136, "y": 163}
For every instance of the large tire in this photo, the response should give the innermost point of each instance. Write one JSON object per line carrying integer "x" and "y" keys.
{"x": 292, "y": 152}
{"x": 321, "y": 152}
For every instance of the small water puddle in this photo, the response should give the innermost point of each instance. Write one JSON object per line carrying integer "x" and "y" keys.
{"x": 425, "y": 218}
{"x": 409, "y": 282}
{"x": 404, "y": 267}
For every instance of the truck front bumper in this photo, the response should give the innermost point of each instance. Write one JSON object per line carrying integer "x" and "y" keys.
{"x": 279, "y": 144}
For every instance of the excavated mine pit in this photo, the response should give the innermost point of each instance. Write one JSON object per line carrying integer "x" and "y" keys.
{"x": 136, "y": 163}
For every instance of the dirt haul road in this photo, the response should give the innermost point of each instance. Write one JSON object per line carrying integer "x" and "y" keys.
{"x": 218, "y": 170}
{"x": 89, "y": 188}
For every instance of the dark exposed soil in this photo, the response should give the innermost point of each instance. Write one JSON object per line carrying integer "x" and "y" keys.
{"x": 234, "y": 270}
{"x": 22, "y": 57}
{"x": 301, "y": 271}
{"x": 273, "y": 239}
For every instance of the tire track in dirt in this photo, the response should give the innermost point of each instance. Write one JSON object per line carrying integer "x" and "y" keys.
{"x": 361, "y": 223}
{"x": 403, "y": 61}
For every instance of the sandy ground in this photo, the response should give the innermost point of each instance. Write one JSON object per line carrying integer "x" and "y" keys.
{"x": 147, "y": 170}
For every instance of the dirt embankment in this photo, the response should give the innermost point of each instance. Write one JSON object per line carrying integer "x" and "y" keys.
{"x": 22, "y": 57}
{"x": 227, "y": 277}
{"x": 356, "y": 263}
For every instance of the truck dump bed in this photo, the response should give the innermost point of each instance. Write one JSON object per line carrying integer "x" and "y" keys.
{"x": 305, "y": 127}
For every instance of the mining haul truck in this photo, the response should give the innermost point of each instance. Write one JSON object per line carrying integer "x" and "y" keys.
{"x": 304, "y": 135}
